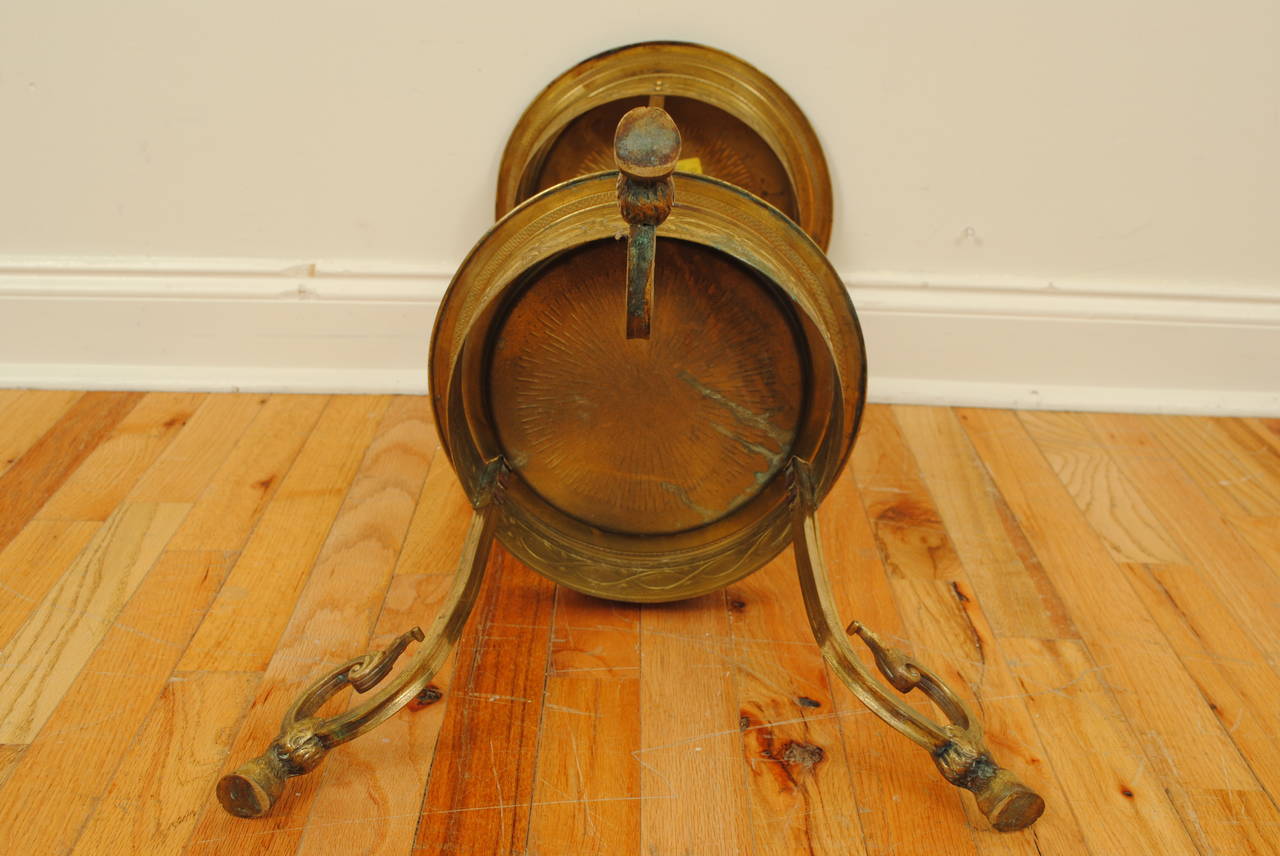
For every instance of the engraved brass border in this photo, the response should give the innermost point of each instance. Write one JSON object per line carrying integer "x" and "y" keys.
{"x": 674, "y": 69}
{"x": 707, "y": 211}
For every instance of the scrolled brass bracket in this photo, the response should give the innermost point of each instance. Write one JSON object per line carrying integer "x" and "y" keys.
{"x": 253, "y": 788}
{"x": 957, "y": 748}
{"x": 304, "y": 740}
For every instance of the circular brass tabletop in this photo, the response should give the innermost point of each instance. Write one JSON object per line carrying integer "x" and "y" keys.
{"x": 646, "y": 469}
{"x": 738, "y": 125}
{"x": 649, "y": 435}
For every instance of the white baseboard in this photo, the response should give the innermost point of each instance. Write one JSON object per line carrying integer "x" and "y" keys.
{"x": 229, "y": 324}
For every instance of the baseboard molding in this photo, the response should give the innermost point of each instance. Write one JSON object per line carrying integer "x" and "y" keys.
{"x": 227, "y": 324}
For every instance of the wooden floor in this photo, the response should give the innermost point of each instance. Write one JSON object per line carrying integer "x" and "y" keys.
{"x": 174, "y": 567}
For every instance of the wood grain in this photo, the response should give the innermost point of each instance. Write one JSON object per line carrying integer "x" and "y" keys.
{"x": 1104, "y": 589}
{"x": 1213, "y": 463}
{"x": 439, "y": 524}
{"x": 1016, "y": 594}
{"x": 1114, "y": 788}
{"x": 32, "y": 563}
{"x": 587, "y": 785}
{"x": 25, "y": 418}
{"x": 792, "y": 742}
{"x": 9, "y": 758}
{"x": 1111, "y": 503}
{"x": 1184, "y": 743}
{"x": 90, "y": 728}
{"x": 34, "y": 477}
{"x": 245, "y": 623}
{"x": 897, "y": 786}
{"x": 114, "y": 467}
{"x": 182, "y": 471}
{"x": 248, "y": 479}
{"x": 1240, "y": 576}
{"x": 154, "y": 798}
{"x": 478, "y": 799}
{"x": 692, "y": 776}
{"x": 47, "y": 652}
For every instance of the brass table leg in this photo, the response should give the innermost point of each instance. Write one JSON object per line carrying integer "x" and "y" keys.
{"x": 303, "y": 740}
{"x": 957, "y": 748}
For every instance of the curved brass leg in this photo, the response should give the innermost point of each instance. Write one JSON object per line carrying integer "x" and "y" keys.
{"x": 303, "y": 740}
{"x": 957, "y": 748}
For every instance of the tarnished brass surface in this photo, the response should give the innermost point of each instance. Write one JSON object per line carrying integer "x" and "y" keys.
{"x": 667, "y": 450}
{"x": 778, "y": 366}
{"x": 647, "y": 146}
{"x": 738, "y": 122}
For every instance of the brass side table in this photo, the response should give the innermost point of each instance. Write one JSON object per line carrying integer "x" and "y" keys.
{"x": 646, "y": 376}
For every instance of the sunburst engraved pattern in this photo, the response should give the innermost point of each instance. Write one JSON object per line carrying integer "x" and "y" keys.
{"x": 646, "y": 435}
{"x": 728, "y": 149}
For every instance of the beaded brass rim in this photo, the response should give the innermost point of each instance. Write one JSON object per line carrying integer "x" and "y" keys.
{"x": 644, "y": 566}
{"x": 674, "y": 69}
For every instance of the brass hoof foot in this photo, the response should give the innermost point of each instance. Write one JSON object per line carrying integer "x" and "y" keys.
{"x": 1007, "y": 803}
{"x": 252, "y": 789}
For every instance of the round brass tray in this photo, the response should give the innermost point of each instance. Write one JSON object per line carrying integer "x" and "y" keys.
{"x": 646, "y": 469}
{"x": 737, "y": 123}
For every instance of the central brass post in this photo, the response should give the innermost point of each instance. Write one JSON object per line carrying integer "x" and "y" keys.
{"x": 646, "y": 148}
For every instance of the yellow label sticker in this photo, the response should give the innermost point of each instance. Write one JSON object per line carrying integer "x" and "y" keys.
{"x": 693, "y": 165}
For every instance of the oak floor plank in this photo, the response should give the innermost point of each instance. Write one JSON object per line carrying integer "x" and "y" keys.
{"x": 690, "y": 745}
{"x": 1212, "y": 460}
{"x": 1184, "y": 743}
{"x": 9, "y": 757}
{"x": 586, "y": 796}
{"x": 246, "y": 482}
{"x": 482, "y": 779}
{"x": 7, "y": 398}
{"x": 245, "y": 623}
{"x": 392, "y": 768}
{"x": 332, "y": 616}
{"x": 1017, "y": 596}
{"x": 1242, "y": 579}
{"x": 1105, "y": 773}
{"x": 46, "y": 654}
{"x": 1255, "y": 447}
{"x": 32, "y": 563}
{"x": 1112, "y": 504}
{"x": 96, "y": 719}
{"x": 1263, "y": 535}
{"x": 27, "y": 416}
{"x": 1267, "y": 429}
{"x": 154, "y": 798}
{"x": 439, "y": 523}
{"x": 43, "y": 468}
{"x": 186, "y": 466}
{"x": 107, "y": 476}
{"x": 1230, "y": 670}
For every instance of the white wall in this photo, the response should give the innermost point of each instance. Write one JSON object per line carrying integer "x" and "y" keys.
{"x": 1123, "y": 152}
